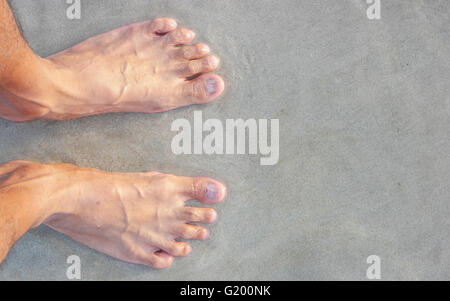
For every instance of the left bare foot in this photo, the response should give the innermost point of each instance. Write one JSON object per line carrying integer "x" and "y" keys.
{"x": 135, "y": 217}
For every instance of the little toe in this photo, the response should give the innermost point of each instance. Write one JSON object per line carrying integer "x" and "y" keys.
{"x": 192, "y": 232}
{"x": 203, "y": 89}
{"x": 199, "y": 215}
{"x": 180, "y": 36}
{"x": 162, "y": 25}
{"x": 176, "y": 248}
{"x": 163, "y": 260}
{"x": 158, "y": 260}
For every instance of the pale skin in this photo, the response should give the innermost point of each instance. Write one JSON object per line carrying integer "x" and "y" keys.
{"x": 151, "y": 66}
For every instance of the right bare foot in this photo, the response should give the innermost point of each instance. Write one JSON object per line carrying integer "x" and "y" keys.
{"x": 144, "y": 67}
{"x": 135, "y": 217}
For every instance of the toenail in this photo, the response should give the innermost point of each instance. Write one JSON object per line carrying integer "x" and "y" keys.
{"x": 206, "y": 234}
{"x": 213, "y": 216}
{"x": 204, "y": 49}
{"x": 213, "y": 61}
{"x": 187, "y": 249}
{"x": 190, "y": 34}
{"x": 211, "y": 86}
{"x": 212, "y": 191}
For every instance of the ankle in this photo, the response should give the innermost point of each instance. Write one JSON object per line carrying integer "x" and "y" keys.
{"x": 32, "y": 187}
{"x": 67, "y": 95}
{"x": 27, "y": 93}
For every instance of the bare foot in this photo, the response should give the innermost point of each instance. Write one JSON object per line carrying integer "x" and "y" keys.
{"x": 144, "y": 67}
{"x": 135, "y": 217}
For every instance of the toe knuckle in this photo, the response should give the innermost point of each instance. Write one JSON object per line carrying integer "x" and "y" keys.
{"x": 187, "y": 52}
{"x": 199, "y": 90}
{"x": 192, "y": 215}
{"x": 190, "y": 67}
{"x": 200, "y": 232}
{"x": 178, "y": 34}
{"x": 197, "y": 188}
{"x": 167, "y": 183}
{"x": 194, "y": 67}
{"x": 206, "y": 65}
{"x": 184, "y": 249}
{"x": 188, "y": 90}
{"x": 185, "y": 232}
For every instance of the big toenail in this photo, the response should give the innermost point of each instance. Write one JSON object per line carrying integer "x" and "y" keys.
{"x": 212, "y": 191}
{"x": 211, "y": 86}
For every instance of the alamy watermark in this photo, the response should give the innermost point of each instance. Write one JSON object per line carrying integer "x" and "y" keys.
{"x": 213, "y": 137}
{"x": 374, "y": 10}
{"x": 73, "y": 272}
{"x": 374, "y": 270}
{"x": 73, "y": 12}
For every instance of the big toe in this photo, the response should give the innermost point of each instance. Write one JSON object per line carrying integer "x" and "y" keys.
{"x": 163, "y": 260}
{"x": 203, "y": 89}
{"x": 205, "y": 190}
